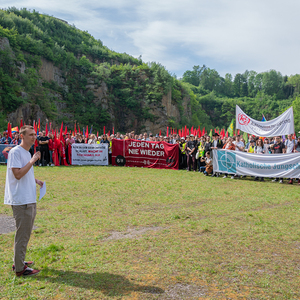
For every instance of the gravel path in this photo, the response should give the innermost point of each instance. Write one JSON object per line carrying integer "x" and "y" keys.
{"x": 8, "y": 224}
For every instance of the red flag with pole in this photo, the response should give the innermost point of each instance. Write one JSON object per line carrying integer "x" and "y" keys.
{"x": 21, "y": 123}
{"x": 167, "y": 131}
{"x": 87, "y": 134}
{"x": 46, "y": 128}
{"x": 97, "y": 134}
{"x": 103, "y": 129}
{"x": 113, "y": 130}
{"x": 160, "y": 133}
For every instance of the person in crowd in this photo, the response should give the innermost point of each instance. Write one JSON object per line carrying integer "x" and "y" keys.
{"x": 267, "y": 149}
{"x": 207, "y": 144}
{"x": 16, "y": 140}
{"x": 239, "y": 145}
{"x": 259, "y": 149}
{"x": 118, "y": 137}
{"x": 216, "y": 144}
{"x": 251, "y": 148}
{"x": 200, "y": 154}
{"x": 92, "y": 139}
{"x": 43, "y": 148}
{"x": 69, "y": 141}
{"x": 290, "y": 148}
{"x": 278, "y": 148}
{"x": 208, "y": 164}
{"x": 182, "y": 156}
{"x": 104, "y": 140}
{"x": 191, "y": 148}
{"x": 51, "y": 148}
{"x": 79, "y": 139}
{"x": 6, "y": 139}
{"x": 145, "y": 137}
{"x": 229, "y": 146}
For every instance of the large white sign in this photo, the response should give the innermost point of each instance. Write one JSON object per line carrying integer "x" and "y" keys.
{"x": 282, "y": 125}
{"x": 260, "y": 165}
{"x": 86, "y": 154}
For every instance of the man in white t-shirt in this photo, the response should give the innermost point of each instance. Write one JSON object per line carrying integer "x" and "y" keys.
{"x": 239, "y": 145}
{"x": 20, "y": 193}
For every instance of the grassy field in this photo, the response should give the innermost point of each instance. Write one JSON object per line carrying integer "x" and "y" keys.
{"x": 134, "y": 233}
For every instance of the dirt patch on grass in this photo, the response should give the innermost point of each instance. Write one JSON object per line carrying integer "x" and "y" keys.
{"x": 131, "y": 233}
{"x": 8, "y": 224}
{"x": 184, "y": 291}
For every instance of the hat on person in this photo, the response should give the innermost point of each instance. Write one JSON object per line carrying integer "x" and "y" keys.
{"x": 183, "y": 138}
{"x": 191, "y": 135}
{"x": 215, "y": 134}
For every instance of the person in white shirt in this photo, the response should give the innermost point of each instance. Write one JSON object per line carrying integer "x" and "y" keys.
{"x": 20, "y": 193}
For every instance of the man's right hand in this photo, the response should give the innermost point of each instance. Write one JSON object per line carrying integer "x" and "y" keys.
{"x": 35, "y": 157}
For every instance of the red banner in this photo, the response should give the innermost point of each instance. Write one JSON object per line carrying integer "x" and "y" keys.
{"x": 135, "y": 153}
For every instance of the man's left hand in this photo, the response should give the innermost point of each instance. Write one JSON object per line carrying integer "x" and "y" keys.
{"x": 39, "y": 182}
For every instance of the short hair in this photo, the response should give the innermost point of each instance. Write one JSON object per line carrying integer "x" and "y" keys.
{"x": 25, "y": 128}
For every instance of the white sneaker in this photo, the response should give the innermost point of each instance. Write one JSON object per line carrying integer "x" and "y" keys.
{"x": 225, "y": 176}
{"x": 274, "y": 180}
{"x": 280, "y": 181}
{"x": 232, "y": 177}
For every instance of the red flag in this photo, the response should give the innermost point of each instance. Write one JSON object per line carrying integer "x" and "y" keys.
{"x": 97, "y": 134}
{"x": 66, "y": 130}
{"x": 238, "y": 132}
{"x": 9, "y": 134}
{"x": 108, "y": 133}
{"x": 185, "y": 131}
{"x": 160, "y": 133}
{"x": 167, "y": 131}
{"x": 188, "y": 131}
{"x": 179, "y": 132}
{"x": 21, "y": 123}
{"x": 79, "y": 129}
{"x": 203, "y": 131}
{"x": 61, "y": 132}
{"x": 46, "y": 129}
{"x": 113, "y": 130}
{"x": 87, "y": 134}
{"x": 103, "y": 129}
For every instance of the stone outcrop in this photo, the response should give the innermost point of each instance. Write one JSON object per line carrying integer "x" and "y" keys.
{"x": 124, "y": 119}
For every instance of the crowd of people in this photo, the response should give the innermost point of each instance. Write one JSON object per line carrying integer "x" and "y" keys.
{"x": 195, "y": 153}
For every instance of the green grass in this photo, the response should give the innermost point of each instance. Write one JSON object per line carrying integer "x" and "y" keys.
{"x": 234, "y": 239}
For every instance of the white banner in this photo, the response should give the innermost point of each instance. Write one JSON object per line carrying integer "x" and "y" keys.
{"x": 86, "y": 154}
{"x": 282, "y": 125}
{"x": 260, "y": 165}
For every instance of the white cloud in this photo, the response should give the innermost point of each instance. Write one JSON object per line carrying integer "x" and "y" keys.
{"x": 231, "y": 35}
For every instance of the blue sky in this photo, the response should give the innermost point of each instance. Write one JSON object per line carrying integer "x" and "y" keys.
{"x": 230, "y": 36}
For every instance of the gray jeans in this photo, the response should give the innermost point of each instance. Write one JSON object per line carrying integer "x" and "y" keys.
{"x": 24, "y": 216}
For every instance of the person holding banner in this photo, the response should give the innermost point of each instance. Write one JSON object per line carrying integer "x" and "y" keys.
{"x": 191, "y": 153}
{"x": 290, "y": 147}
{"x": 277, "y": 148}
{"x": 229, "y": 146}
{"x": 20, "y": 193}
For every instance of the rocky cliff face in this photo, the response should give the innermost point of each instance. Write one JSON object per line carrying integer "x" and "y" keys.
{"x": 125, "y": 119}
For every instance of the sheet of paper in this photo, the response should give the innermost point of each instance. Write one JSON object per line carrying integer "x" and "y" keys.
{"x": 43, "y": 190}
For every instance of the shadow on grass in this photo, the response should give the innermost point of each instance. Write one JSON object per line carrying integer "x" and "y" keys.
{"x": 109, "y": 284}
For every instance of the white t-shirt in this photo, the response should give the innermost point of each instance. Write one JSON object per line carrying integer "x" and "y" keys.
{"x": 289, "y": 146}
{"x": 23, "y": 191}
{"x": 240, "y": 144}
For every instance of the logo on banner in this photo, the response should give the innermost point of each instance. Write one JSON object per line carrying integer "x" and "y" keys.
{"x": 243, "y": 119}
{"x": 227, "y": 162}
